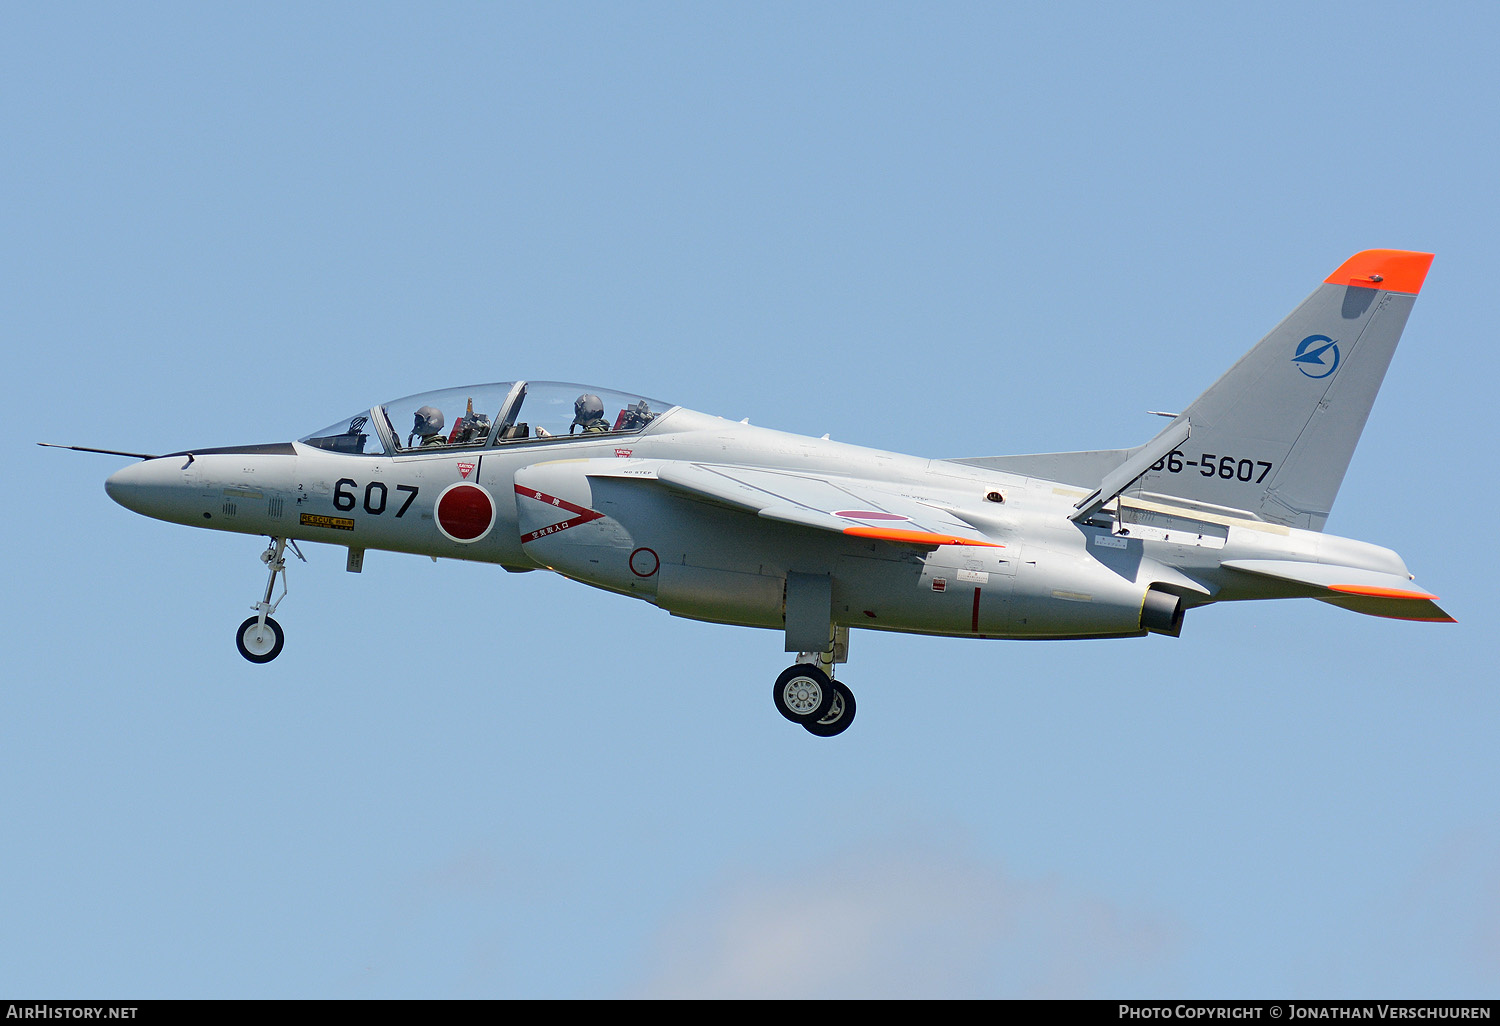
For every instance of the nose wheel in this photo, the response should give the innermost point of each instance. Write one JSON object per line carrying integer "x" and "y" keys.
{"x": 260, "y": 641}
{"x": 260, "y": 638}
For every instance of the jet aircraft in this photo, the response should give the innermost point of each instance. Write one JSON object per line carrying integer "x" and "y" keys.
{"x": 726, "y": 522}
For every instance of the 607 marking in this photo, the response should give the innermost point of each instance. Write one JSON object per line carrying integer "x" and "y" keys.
{"x": 375, "y": 496}
{"x": 1210, "y": 465}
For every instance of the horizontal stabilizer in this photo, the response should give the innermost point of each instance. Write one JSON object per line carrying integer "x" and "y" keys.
{"x": 1392, "y": 608}
{"x": 1362, "y": 591}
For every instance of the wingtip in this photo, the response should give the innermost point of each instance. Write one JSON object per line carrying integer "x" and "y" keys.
{"x": 1394, "y": 270}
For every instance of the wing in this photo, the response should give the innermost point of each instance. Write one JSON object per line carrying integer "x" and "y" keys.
{"x": 855, "y": 507}
{"x": 1362, "y": 591}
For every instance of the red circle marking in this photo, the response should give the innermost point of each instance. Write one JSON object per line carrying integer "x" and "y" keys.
{"x": 465, "y": 512}
{"x": 644, "y": 562}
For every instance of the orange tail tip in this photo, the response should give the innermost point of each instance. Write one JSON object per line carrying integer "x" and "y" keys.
{"x": 1395, "y": 270}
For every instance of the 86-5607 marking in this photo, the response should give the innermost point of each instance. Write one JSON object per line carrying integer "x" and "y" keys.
{"x": 1230, "y": 468}
{"x": 376, "y": 495}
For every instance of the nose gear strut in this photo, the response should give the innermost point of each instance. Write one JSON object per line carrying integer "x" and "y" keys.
{"x": 261, "y": 638}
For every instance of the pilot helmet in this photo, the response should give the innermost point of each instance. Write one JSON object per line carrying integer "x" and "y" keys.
{"x": 429, "y": 421}
{"x": 587, "y": 407}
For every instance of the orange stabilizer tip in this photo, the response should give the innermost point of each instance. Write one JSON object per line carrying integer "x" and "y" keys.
{"x": 915, "y": 537}
{"x": 1390, "y": 593}
{"x": 1395, "y": 270}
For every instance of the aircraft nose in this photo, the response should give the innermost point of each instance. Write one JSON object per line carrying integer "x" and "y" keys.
{"x": 153, "y": 488}
{"x": 122, "y": 485}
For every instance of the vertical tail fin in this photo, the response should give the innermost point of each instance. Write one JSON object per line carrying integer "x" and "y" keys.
{"x": 1275, "y": 434}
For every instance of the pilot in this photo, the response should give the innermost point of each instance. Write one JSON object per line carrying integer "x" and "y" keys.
{"x": 428, "y": 426}
{"x": 588, "y": 413}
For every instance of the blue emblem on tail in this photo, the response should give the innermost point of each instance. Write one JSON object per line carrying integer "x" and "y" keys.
{"x": 1311, "y": 356}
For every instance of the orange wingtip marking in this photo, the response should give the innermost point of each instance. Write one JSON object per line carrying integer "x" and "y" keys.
{"x": 1390, "y": 593}
{"x": 1395, "y": 270}
{"x": 916, "y": 537}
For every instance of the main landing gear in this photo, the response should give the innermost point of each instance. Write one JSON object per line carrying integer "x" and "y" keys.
{"x": 806, "y": 692}
{"x": 261, "y": 638}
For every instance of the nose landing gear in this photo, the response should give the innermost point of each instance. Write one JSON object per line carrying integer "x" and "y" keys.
{"x": 261, "y": 638}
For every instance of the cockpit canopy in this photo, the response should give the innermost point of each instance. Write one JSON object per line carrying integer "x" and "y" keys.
{"x": 503, "y": 413}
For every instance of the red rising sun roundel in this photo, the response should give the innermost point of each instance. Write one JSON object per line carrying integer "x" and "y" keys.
{"x": 868, "y": 514}
{"x": 465, "y": 512}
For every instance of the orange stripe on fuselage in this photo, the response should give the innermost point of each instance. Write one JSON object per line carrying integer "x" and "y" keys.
{"x": 1397, "y": 270}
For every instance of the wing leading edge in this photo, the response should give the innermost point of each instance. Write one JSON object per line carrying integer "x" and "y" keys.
{"x": 859, "y": 509}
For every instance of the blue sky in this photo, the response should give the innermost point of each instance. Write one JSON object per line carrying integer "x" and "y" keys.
{"x": 950, "y": 230}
